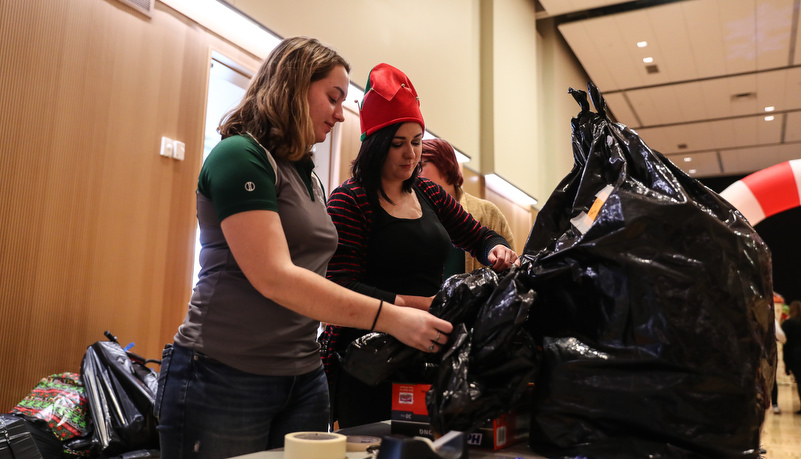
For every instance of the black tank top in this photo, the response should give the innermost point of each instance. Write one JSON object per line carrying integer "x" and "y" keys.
{"x": 407, "y": 256}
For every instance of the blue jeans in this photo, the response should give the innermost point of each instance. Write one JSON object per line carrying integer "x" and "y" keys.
{"x": 209, "y": 410}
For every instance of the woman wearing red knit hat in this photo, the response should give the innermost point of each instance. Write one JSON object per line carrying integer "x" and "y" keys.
{"x": 395, "y": 231}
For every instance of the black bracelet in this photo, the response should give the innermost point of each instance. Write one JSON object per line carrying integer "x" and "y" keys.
{"x": 380, "y": 305}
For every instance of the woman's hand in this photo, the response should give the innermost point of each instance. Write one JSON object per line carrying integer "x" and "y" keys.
{"x": 414, "y": 327}
{"x": 502, "y": 257}
{"x": 411, "y": 301}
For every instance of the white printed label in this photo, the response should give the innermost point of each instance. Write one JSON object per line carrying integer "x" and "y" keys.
{"x": 584, "y": 220}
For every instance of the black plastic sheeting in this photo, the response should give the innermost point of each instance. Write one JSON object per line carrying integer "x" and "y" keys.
{"x": 489, "y": 361}
{"x": 642, "y": 312}
{"x": 121, "y": 394}
{"x": 654, "y": 308}
{"x": 485, "y": 367}
{"x": 378, "y": 356}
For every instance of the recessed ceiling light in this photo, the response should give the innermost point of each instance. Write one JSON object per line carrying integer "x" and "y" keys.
{"x": 687, "y": 159}
{"x": 692, "y": 171}
{"x": 642, "y": 44}
{"x": 769, "y": 118}
{"x": 770, "y": 109}
{"x": 648, "y": 60}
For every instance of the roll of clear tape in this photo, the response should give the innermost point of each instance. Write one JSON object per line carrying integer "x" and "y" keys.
{"x": 361, "y": 442}
{"x": 314, "y": 445}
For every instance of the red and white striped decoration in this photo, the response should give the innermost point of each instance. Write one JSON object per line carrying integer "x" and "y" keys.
{"x": 766, "y": 192}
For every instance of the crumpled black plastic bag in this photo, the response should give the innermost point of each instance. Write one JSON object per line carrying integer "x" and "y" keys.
{"x": 462, "y": 295}
{"x": 456, "y": 389}
{"x": 375, "y": 356}
{"x": 656, "y": 318}
{"x": 121, "y": 395}
{"x": 488, "y": 363}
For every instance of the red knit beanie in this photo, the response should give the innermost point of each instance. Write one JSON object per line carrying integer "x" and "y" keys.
{"x": 389, "y": 98}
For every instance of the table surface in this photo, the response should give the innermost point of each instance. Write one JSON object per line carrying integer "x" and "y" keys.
{"x": 381, "y": 429}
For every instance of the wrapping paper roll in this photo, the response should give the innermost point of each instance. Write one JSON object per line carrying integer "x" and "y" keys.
{"x": 314, "y": 445}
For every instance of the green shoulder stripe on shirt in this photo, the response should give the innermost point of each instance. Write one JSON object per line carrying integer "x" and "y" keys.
{"x": 237, "y": 176}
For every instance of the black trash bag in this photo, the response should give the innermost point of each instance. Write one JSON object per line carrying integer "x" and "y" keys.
{"x": 487, "y": 367}
{"x": 499, "y": 319}
{"x": 121, "y": 390}
{"x": 462, "y": 295}
{"x": 376, "y": 356}
{"x": 456, "y": 390}
{"x": 654, "y": 308}
{"x": 373, "y": 357}
{"x": 23, "y": 438}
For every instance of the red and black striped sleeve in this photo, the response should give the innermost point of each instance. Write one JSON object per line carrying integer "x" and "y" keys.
{"x": 352, "y": 215}
{"x": 465, "y": 231}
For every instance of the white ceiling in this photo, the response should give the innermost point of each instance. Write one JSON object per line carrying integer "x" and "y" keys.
{"x": 720, "y": 63}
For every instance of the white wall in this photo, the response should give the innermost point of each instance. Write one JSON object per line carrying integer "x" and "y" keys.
{"x": 488, "y": 82}
{"x": 434, "y": 42}
{"x": 558, "y": 71}
{"x": 514, "y": 85}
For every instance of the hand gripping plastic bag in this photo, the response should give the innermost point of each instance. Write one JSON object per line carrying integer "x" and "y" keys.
{"x": 654, "y": 308}
{"x": 121, "y": 391}
{"x": 375, "y": 356}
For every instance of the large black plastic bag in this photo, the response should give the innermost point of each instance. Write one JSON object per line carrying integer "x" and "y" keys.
{"x": 656, "y": 317}
{"x": 489, "y": 360}
{"x": 376, "y": 356}
{"x": 121, "y": 394}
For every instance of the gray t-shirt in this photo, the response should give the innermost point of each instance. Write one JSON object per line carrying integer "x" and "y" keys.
{"x": 228, "y": 319}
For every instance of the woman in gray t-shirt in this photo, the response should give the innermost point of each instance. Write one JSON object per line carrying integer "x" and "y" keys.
{"x": 244, "y": 368}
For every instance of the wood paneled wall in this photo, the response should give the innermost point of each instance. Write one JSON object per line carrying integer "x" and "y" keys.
{"x": 97, "y": 229}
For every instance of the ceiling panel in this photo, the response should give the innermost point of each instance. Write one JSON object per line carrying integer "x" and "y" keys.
{"x": 706, "y": 50}
{"x": 743, "y": 161}
{"x": 645, "y": 104}
{"x": 622, "y": 111}
{"x": 792, "y": 131}
{"x": 668, "y": 45}
{"x": 713, "y": 135}
{"x": 705, "y": 163}
{"x": 719, "y": 62}
{"x": 595, "y": 55}
{"x": 789, "y": 97}
{"x": 773, "y": 28}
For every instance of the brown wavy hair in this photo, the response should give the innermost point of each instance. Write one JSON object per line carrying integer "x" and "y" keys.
{"x": 275, "y": 109}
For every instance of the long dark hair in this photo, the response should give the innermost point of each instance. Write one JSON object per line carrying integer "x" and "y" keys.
{"x": 369, "y": 163}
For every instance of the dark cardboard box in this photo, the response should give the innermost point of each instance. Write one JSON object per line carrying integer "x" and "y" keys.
{"x": 410, "y": 418}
